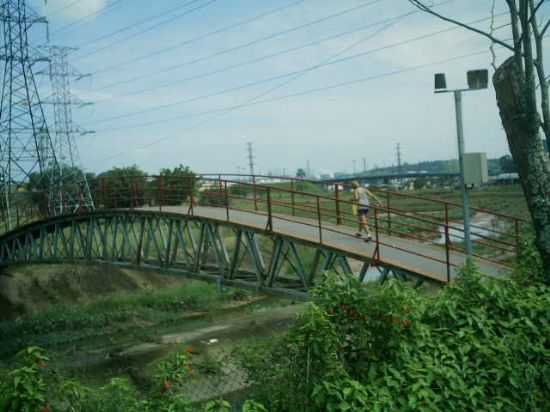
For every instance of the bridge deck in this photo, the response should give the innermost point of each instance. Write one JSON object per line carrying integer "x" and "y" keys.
{"x": 394, "y": 251}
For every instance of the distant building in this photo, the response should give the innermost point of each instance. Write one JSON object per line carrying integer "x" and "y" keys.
{"x": 505, "y": 179}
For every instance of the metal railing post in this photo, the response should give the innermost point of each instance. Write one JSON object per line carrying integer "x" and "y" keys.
{"x": 161, "y": 191}
{"x": 103, "y": 191}
{"x": 319, "y": 220}
{"x": 269, "y": 211}
{"x": 388, "y": 212}
{"x": 292, "y": 200}
{"x": 376, "y": 234}
{"x": 337, "y": 200}
{"x": 226, "y": 195}
{"x": 447, "y": 244}
{"x": 255, "y": 193}
{"x": 134, "y": 193}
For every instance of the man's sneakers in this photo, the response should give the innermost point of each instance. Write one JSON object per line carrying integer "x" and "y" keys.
{"x": 358, "y": 234}
{"x": 368, "y": 238}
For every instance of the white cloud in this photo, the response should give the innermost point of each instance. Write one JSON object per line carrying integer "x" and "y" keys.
{"x": 70, "y": 10}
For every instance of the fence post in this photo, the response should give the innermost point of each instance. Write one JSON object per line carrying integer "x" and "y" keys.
{"x": 226, "y": 194}
{"x": 255, "y": 193}
{"x": 337, "y": 199}
{"x": 293, "y": 204}
{"x": 103, "y": 191}
{"x": 376, "y": 235}
{"x": 319, "y": 220}
{"x": 447, "y": 243}
{"x": 134, "y": 193}
{"x": 161, "y": 192}
{"x": 388, "y": 212}
{"x": 269, "y": 211}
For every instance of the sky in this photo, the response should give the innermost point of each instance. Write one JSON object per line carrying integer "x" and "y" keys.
{"x": 330, "y": 82}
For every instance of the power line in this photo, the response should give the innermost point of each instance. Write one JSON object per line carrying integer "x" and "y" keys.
{"x": 68, "y": 6}
{"x": 231, "y": 49}
{"x": 286, "y": 51}
{"x": 135, "y": 24}
{"x": 162, "y": 23}
{"x": 104, "y": 10}
{"x": 264, "y": 57}
{"x": 233, "y": 108}
{"x": 248, "y": 85}
{"x": 282, "y": 76}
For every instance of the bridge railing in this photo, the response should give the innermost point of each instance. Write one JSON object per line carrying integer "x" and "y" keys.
{"x": 396, "y": 220}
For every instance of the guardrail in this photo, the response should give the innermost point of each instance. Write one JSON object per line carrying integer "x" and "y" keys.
{"x": 433, "y": 222}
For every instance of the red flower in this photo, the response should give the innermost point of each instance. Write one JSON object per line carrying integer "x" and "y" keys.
{"x": 45, "y": 408}
{"x": 166, "y": 386}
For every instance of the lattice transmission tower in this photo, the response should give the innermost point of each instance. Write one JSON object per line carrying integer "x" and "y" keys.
{"x": 26, "y": 147}
{"x": 77, "y": 194}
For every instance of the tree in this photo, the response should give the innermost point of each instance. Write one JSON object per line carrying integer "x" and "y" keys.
{"x": 121, "y": 187}
{"x": 174, "y": 186}
{"x": 507, "y": 164}
{"x": 70, "y": 181}
{"x": 517, "y": 83}
{"x": 301, "y": 173}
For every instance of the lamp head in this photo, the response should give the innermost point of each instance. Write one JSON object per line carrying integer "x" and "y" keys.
{"x": 478, "y": 79}
{"x": 440, "y": 81}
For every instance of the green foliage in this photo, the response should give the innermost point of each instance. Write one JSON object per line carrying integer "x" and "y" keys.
{"x": 218, "y": 406}
{"x": 25, "y": 388}
{"x": 121, "y": 187}
{"x": 529, "y": 267}
{"x": 251, "y": 406}
{"x": 214, "y": 196}
{"x": 34, "y": 386}
{"x": 70, "y": 323}
{"x": 341, "y": 395}
{"x": 174, "y": 186}
{"x": 481, "y": 344}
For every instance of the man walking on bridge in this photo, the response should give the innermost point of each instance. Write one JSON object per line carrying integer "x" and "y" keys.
{"x": 360, "y": 197}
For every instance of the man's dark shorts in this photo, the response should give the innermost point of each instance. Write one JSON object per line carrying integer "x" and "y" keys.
{"x": 364, "y": 211}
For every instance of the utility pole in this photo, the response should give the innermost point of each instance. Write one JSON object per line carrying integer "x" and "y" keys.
{"x": 251, "y": 161}
{"x": 74, "y": 188}
{"x": 354, "y": 167}
{"x": 398, "y": 155}
{"x": 364, "y": 165}
{"x": 26, "y": 147}
{"x": 477, "y": 80}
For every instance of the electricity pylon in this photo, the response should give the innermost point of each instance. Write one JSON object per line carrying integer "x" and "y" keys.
{"x": 75, "y": 192}
{"x": 26, "y": 147}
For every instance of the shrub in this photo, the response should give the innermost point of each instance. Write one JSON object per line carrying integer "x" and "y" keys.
{"x": 481, "y": 344}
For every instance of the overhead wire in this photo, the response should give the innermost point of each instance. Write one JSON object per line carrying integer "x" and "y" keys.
{"x": 133, "y": 25}
{"x": 275, "y": 54}
{"x": 303, "y": 93}
{"x": 285, "y": 75}
{"x": 224, "y": 51}
{"x": 66, "y": 7}
{"x": 103, "y": 10}
{"x": 149, "y": 29}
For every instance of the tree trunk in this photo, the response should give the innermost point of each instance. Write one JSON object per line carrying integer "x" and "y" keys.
{"x": 522, "y": 124}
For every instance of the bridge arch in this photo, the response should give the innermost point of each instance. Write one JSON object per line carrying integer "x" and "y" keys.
{"x": 196, "y": 246}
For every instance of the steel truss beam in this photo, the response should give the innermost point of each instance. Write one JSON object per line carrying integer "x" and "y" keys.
{"x": 203, "y": 248}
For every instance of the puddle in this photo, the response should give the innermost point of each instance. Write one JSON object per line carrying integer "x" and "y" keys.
{"x": 482, "y": 225}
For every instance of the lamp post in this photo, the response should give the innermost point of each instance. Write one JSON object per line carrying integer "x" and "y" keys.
{"x": 477, "y": 80}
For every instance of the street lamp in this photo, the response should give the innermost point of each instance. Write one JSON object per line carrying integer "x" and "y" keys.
{"x": 477, "y": 80}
